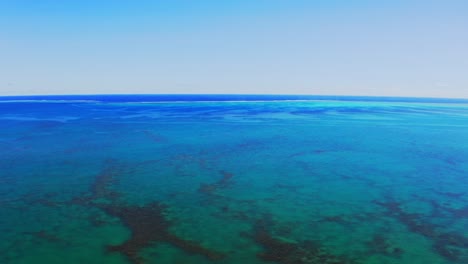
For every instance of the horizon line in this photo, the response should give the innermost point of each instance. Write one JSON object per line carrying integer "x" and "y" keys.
{"x": 286, "y": 96}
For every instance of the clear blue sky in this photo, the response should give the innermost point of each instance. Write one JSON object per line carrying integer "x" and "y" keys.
{"x": 395, "y": 48}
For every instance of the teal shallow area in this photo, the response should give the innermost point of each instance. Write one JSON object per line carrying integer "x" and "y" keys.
{"x": 231, "y": 181}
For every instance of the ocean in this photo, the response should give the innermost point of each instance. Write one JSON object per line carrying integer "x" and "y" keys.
{"x": 233, "y": 179}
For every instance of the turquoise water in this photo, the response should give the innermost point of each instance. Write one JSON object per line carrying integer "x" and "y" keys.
{"x": 349, "y": 180}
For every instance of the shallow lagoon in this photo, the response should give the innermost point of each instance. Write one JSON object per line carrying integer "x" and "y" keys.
{"x": 164, "y": 180}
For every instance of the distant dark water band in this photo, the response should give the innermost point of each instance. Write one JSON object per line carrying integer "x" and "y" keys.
{"x": 129, "y": 98}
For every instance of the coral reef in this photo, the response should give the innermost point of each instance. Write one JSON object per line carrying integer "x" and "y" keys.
{"x": 45, "y": 235}
{"x": 101, "y": 186}
{"x": 225, "y": 180}
{"x": 287, "y": 252}
{"x": 450, "y": 245}
{"x": 379, "y": 244}
{"x": 147, "y": 223}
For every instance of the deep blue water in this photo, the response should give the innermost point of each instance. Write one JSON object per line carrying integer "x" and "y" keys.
{"x": 233, "y": 179}
{"x": 222, "y": 97}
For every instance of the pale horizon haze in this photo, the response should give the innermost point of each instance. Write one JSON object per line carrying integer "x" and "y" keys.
{"x": 362, "y": 48}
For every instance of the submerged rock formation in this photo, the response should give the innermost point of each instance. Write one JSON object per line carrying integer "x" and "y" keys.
{"x": 147, "y": 224}
{"x": 224, "y": 182}
{"x": 286, "y": 252}
{"x": 450, "y": 245}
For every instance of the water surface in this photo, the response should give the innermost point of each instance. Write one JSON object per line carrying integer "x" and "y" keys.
{"x": 233, "y": 179}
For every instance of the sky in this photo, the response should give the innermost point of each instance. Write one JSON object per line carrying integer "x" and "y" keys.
{"x": 319, "y": 47}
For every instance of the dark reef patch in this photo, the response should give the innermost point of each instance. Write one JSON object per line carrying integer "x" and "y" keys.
{"x": 286, "y": 252}
{"x": 49, "y": 236}
{"x": 101, "y": 187}
{"x": 379, "y": 244}
{"x": 147, "y": 224}
{"x": 450, "y": 245}
{"x": 224, "y": 182}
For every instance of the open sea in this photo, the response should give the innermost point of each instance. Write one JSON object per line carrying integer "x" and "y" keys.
{"x": 246, "y": 179}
